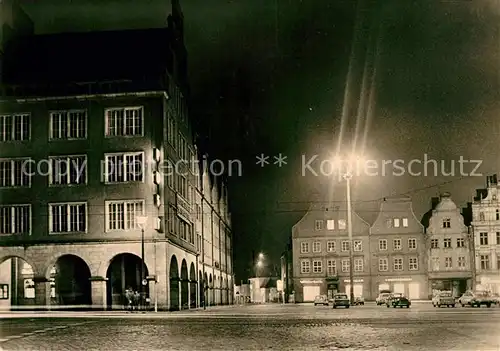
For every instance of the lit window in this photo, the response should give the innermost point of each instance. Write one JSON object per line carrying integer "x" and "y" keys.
{"x": 405, "y": 222}
{"x": 68, "y": 218}
{"x": 124, "y": 167}
{"x": 342, "y": 224}
{"x": 68, "y": 125}
{"x": 396, "y": 223}
{"x": 124, "y": 121}
{"x": 330, "y": 224}
{"x": 15, "y": 127}
{"x": 122, "y": 215}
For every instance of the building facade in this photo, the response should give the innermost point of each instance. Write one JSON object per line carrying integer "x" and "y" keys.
{"x": 100, "y": 194}
{"x": 486, "y": 231}
{"x": 450, "y": 260}
{"x": 398, "y": 252}
{"x": 320, "y": 249}
{"x": 286, "y": 264}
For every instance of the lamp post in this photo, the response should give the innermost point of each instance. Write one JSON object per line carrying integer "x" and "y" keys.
{"x": 348, "y": 177}
{"x": 141, "y": 222}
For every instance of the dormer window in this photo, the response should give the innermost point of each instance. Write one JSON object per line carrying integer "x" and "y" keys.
{"x": 396, "y": 223}
{"x": 447, "y": 223}
{"x": 405, "y": 222}
{"x": 342, "y": 224}
{"x": 330, "y": 224}
{"x": 318, "y": 225}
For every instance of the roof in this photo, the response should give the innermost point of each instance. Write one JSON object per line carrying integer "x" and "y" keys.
{"x": 88, "y": 56}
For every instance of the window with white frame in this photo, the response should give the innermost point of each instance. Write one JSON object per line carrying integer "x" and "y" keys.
{"x": 305, "y": 266}
{"x": 498, "y": 238}
{"x": 318, "y": 224}
{"x": 413, "y": 263}
{"x": 128, "y": 121}
{"x": 330, "y": 246}
{"x": 447, "y": 243}
{"x": 448, "y": 264}
{"x": 383, "y": 264}
{"x": 483, "y": 238}
{"x": 183, "y": 187}
{"x": 122, "y": 215}
{"x": 15, "y": 127}
{"x": 358, "y": 265}
{"x": 485, "y": 262}
{"x": 396, "y": 223}
{"x": 405, "y": 222}
{"x": 345, "y": 245}
{"x": 171, "y": 130}
{"x": 171, "y": 220}
{"x": 342, "y": 224}
{"x": 68, "y": 217}
{"x": 68, "y": 124}
{"x": 15, "y": 172}
{"x": 345, "y": 265}
{"x": 460, "y": 242}
{"x": 358, "y": 245}
{"x": 446, "y": 222}
{"x": 434, "y": 243}
{"x": 304, "y": 247}
{"x": 382, "y": 244}
{"x": 15, "y": 219}
{"x": 412, "y": 243}
{"x": 398, "y": 264}
{"x": 461, "y": 262}
{"x": 124, "y": 167}
{"x": 317, "y": 266}
{"x": 68, "y": 170}
{"x": 397, "y": 244}
{"x": 316, "y": 246}
{"x": 331, "y": 268}
{"x": 185, "y": 231}
{"x": 330, "y": 224}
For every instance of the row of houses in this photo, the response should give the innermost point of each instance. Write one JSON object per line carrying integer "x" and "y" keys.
{"x": 92, "y": 200}
{"x": 448, "y": 249}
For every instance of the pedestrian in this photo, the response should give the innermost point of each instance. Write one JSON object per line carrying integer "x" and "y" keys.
{"x": 137, "y": 299}
{"x": 129, "y": 297}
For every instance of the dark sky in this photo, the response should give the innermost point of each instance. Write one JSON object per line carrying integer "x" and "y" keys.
{"x": 273, "y": 74}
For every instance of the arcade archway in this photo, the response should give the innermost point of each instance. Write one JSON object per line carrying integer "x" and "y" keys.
{"x": 184, "y": 285}
{"x": 192, "y": 286}
{"x": 17, "y": 286}
{"x": 174, "y": 284}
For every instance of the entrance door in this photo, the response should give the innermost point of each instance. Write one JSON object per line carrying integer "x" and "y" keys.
{"x": 399, "y": 288}
{"x": 310, "y": 292}
{"x": 414, "y": 291}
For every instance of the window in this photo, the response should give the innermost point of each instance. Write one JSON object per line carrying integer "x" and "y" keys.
{"x": 358, "y": 265}
{"x": 498, "y": 238}
{"x": 186, "y": 231}
{"x": 67, "y": 218}
{"x": 460, "y": 242}
{"x": 68, "y": 125}
{"x": 342, "y": 224}
{"x": 461, "y": 262}
{"x": 68, "y": 170}
{"x": 413, "y": 263}
{"x": 447, "y": 243}
{"x": 330, "y": 224}
{"x": 304, "y": 247}
{"x": 382, "y": 244}
{"x": 330, "y": 246}
{"x": 483, "y": 238}
{"x": 29, "y": 288}
{"x": 318, "y": 225}
{"x": 383, "y": 264}
{"x": 124, "y": 167}
{"x": 124, "y": 121}
{"x": 448, "y": 263}
{"x": 121, "y": 215}
{"x": 434, "y": 244}
{"x": 405, "y": 222}
{"x": 358, "y": 245}
{"x": 396, "y": 223}
{"x": 435, "y": 263}
{"x": 15, "y": 219}
{"x": 398, "y": 264}
{"x": 15, "y": 127}
{"x": 317, "y": 266}
{"x": 345, "y": 265}
{"x": 497, "y": 215}
{"x": 345, "y": 245}
{"x": 316, "y": 246}
{"x": 15, "y": 172}
{"x": 331, "y": 268}
{"x": 485, "y": 262}
{"x": 397, "y": 244}
{"x": 183, "y": 187}
{"x": 171, "y": 220}
{"x": 481, "y": 216}
{"x": 498, "y": 262}
{"x": 305, "y": 266}
{"x": 446, "y": 223}
{"x": 412, "y": 244}
{"x": 4, "y": 291}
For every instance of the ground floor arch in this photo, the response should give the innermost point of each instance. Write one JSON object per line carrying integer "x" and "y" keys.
{"x": 174, "y": 284}
{"x": 17, "y": 286}
{"x": 192, "y": 286}
{"x": 124, "y": 272}
{"x": 184, "y": 285}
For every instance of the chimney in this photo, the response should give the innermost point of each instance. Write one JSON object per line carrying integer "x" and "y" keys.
{"x": 434, "y": 202}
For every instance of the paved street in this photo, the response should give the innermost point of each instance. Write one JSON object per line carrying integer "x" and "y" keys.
{"x": 292, "y": 327}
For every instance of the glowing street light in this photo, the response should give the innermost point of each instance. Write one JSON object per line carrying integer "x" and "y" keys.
{"x": 261, "y": 256}
{"x": 141, "y": 222}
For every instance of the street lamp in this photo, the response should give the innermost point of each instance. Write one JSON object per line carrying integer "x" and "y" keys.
{"x": 261, "y": 256}
{"x": 141, "y": 222}
{"x": 348, "y": 176}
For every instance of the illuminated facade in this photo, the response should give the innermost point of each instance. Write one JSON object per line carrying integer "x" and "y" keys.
{"x": 85, "y": 155}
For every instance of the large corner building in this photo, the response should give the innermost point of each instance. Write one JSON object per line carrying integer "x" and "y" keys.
{"x": 97, "y": 151}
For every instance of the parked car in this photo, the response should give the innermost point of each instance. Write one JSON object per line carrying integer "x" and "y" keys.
{"x": 382, "y": 298}
{"x": 443, "y": 298}
{"x": 496, "y": 299}
{"x": 401, "y": 301}
{"x": 340, "y": 300}
{"x": 476, "y": 299}
{"x": 321, "y": 300}
{"x": 392, "y": 296}
{"x": 359, "y": 300}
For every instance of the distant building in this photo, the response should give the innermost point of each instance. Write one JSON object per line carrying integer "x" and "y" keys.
{"x": 286, "y": 261}
{"x": 320, "y": 249}
{"x": 486, "y": 230}
{"x": 263, "y": 290}
{"x": 449, "y": 263}
{"x": 398, "y": 250}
